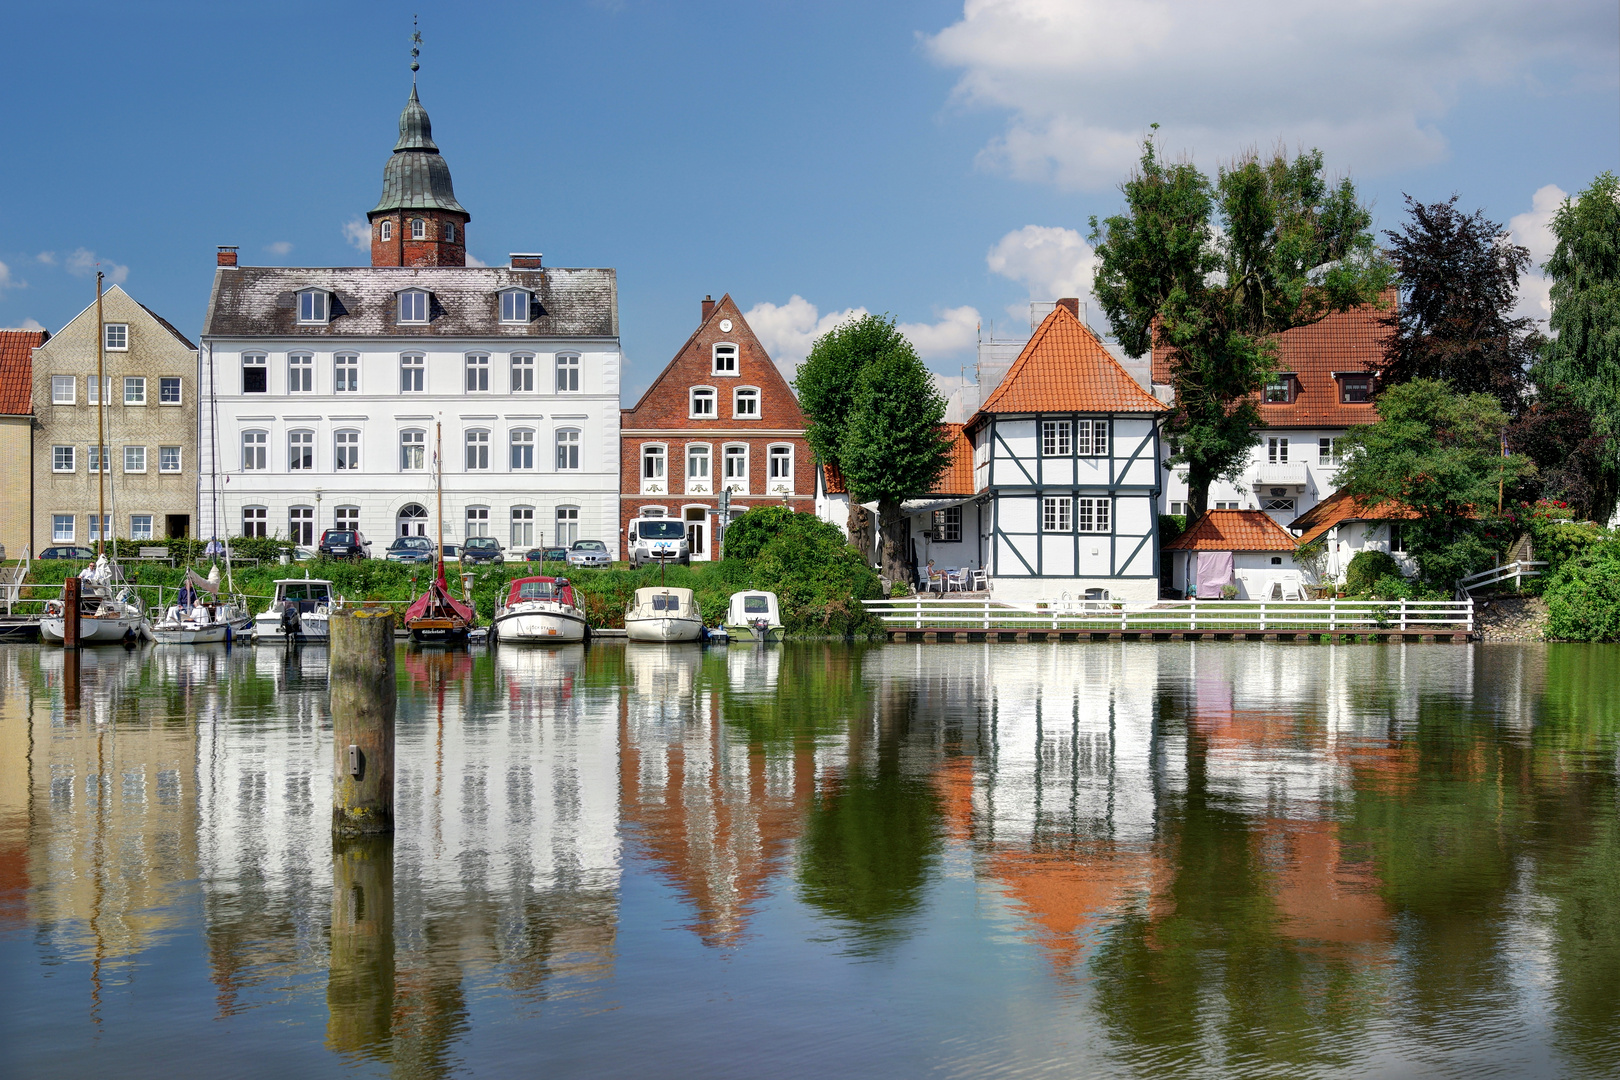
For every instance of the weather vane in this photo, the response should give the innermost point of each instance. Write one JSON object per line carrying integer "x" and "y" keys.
{"x": 416, "y": 41}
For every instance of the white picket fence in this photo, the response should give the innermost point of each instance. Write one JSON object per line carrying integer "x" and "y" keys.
{"x": 1180, "y": 616}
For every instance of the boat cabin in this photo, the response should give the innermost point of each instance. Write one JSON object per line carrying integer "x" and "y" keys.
{"x": 530, "y": 589}
{"x": 749, "y": 607}
{"x": 307, "y": 593}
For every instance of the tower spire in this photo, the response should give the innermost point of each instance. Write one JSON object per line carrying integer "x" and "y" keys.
{"x": 416, "y": 50}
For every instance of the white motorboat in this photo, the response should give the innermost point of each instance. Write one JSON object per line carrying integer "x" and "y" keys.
{"x": 539, "y": 610}
{"x": 107, "y": 612}
{"x": 663, "y": 614}
{"x": 754, "y": 616}
{"x": 188, "y": 632}
{"x": 302, "y": 609}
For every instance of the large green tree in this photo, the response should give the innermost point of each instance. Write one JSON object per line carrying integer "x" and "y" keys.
{"x": 1213, "y": 272}
{"x": 1584, "y": 356}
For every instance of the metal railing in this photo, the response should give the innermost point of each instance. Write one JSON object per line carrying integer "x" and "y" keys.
{"x": 1180, "y": 616}
{"x": 1518, "y": 570}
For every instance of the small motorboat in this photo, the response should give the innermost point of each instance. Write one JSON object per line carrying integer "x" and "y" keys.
{"x": 754, "y": 616}
{"x": 539, "y": 610}
{"x": 663, "y": 614}
{"x": 108, "y": 613}
{"x": 301, "y": 610}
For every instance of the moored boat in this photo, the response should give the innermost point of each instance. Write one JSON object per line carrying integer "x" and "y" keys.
{"x": 663, "y": 614}
{"x": 754, "y": 616}
{"x": 301, "y": 610}
{"x": 188, "y": 632}
{"x": 108, "y": 612}
{"x": 539, "y": 610}
{"x": 437, "y": 618}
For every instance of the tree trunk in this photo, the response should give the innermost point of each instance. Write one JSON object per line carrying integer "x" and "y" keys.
{"x": 894, "y": 566}
{"x": 860, "y": 528}
{"x": 1198, "y": 482}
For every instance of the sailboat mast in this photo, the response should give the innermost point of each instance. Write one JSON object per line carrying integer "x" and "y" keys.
{"x": 438, "y": 477}
{"x": 101, "y": 426}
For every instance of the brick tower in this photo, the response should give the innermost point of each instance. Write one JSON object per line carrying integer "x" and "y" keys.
{"x": 418, "y": 221}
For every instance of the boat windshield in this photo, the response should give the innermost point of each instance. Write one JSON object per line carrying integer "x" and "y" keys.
{"x": 666, "y": 602}
{"x": 537, "y": 590}
{"x": 757, "y": 605}
{"x": 307, "y": 590}
{"x": 661, "y": 530}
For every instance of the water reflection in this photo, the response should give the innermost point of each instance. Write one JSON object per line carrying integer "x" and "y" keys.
{"x": 1241, "y": 859}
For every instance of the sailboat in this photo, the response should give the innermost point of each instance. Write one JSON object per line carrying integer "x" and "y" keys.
{"x": 436, "y": 617}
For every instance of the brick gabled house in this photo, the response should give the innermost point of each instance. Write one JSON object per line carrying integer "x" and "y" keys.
{"x": 720, "y": 415}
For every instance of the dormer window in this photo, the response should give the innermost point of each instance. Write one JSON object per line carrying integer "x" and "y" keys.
{"x": 385, "y": 231}
{"x": 313, "y": 306}
{"x": 413, "y": 306}
{"x": 1280, "y": 389}
{"x": 1355, "y": 389}
{"x": 418, "y": 229}
{"x": 515, "y": 306}
{"x": 725, "y": 359}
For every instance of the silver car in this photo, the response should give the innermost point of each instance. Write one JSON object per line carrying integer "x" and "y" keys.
{"x": 589, "y": 553}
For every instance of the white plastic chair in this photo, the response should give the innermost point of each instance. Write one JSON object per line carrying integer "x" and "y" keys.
{"x": 981, "y": 580}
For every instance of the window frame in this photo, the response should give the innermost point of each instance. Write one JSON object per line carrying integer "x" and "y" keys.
{"x": 301, "y": 437}
{"x": 179, "y": 460}
{"x": 520, "y": 447}
{"x": 569, "y": 453}
{"x": 406, "y": 299}
{"x": 513, "y": 319}
{"x": 419, "y": 229}
{"x": 1330, "y": 459}
{"x": 259, "y": 363}
{"x": 346, "y": 516}
{"x": 385, "y": 231}
{"x": 1279, "y": 504}
{"x": 1276, "y": 450}
{"x": 345, "y": 364}
{"x": 565, "y": 516}
{"x": 653, "y": 481}
{"x": 692, "y": 396}
{"x": 476, "y": 367}
{"x": 139, "y": 451}
{"x": 255, "y": 520}
{"x": 59, "y": 535}
{"x": 1286, "y": 382}
{"x": 1093, "y": 515}
{"x": 117, "y": 330}
{"x": 569, "y": 371}
{"x": 72, "y": 384}
{"x": 297, "y": 525}
{"x": 165, "y": 382}
{"x": 419, "y": 444}
{"x": 475, "y": 512}
{"x": 736, "y": 359}
{"x": 750, "y": 393}
{"x": 1057, "y": 514}
{"x": 137, "y": 384}
{"x": 520, "y": 368}
{"x": 262, "y": 445}
{"x": 413, "y": 364}
{"x": 520, "y": 515}
{"x": 947, "y": 525}
{"x": 475, "y": 442}
{"x": 95, "y": 459}
{"x": 774, "y": 453}
{"x": 300, "y": 372}
{"x": 71, "y": 454}
{"x": 339, "y": 446}
{"x": 307, "y": 301}
{"x": 742, "y": 484}
{"x": 1364, "y": 381}
{"x": 1057, "y": 438}
{"x": 133, "y": 534}
{"x": 449, "y": 232}
{"x": 94, "y": 397}
{"x": 699, "y": 485}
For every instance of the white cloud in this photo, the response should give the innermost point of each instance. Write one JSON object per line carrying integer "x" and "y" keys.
{"x": 1366, "y": 82}
{"x": 84, "y": 262}
{"x": 28, "y": 324}
{"x": 6, "y": 280}
{"x": 280, "y": 247}
{"x": 358, "y": 234}
{"x": 473, "y": 260}
{"x": 1533, "y": 229}
{"x": 48, "y": 258}
{"x": 957, "y": 331}
{"x": 788, "y": 330}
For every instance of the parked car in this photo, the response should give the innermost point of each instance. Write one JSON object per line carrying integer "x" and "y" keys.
{"x": 67, "y": 551}
{"x": 482, "y": 549}
{"x": 410, "y": 549}
{"x": 547, "y": 555}
{"x": 344, "y": 544}
{"x": 589, "y": 553}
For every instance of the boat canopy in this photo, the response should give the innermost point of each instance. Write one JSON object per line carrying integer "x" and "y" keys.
{"x": 657, "y": 599}
{"x": 748, "y": 606}
{"x": 438, "y": 598}
{"x": 540, "y": 588}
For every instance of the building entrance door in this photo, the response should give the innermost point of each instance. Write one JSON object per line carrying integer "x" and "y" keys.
{"x": 697, "y": 529}
{"x": 413, "y": 520}
{"x": 177, "y": 526}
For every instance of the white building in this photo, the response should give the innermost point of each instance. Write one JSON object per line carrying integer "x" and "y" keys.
{"x": 327, "y": 390}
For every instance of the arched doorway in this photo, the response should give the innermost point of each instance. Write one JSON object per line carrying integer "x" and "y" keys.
{"x": 412, "y": 520}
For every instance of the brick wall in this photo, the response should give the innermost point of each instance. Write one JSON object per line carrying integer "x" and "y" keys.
{"x": 434, "y": 250}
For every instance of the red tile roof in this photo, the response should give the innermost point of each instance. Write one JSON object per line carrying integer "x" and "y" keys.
{"x": 1341, "y": 507}
{"x": 17, "y": 370}
{"x": 956, "y": 480}
{"x": 1064, "y": 368}
{"x": 1234, "y": 530}
{"x": 1348, "y": 341}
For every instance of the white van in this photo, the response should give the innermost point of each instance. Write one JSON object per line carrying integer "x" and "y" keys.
{"x": 657, "y": 539}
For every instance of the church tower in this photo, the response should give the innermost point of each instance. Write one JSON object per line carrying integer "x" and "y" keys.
{"x": 418, "y": 221}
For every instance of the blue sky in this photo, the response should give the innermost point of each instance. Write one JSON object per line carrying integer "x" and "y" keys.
{"x": 928, "y": 159}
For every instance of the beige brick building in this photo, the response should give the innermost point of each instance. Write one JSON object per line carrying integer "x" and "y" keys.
{"x": 17, "y": 436}
{"x": 151, "y": 428}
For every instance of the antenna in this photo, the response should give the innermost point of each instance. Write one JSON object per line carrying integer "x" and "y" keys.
{"x": 416, "y": 42}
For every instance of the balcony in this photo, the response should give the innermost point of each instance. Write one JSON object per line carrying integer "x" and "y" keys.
{"x": 1280, "y": 474}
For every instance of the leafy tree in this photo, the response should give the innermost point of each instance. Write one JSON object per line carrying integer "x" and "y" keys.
{"x": 1459, "y": 280}
{"x": 1573, "y": 460}
{"x": 894, "y": 444}
{"x": 1440, "y": 453}
{"x": 1214, "y": 272}
{"x": 746, "y": 536}
{"x": 1585, "y": 272}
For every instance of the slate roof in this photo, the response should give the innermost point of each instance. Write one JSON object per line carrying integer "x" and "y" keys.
{"x": 416, "y": 176}
{"x": 1234, "y": 530}
{"x": 956, "y": 480}
{"x": 262, "y": 301}
{"x": 1064, "y": 368}
{"x": 1341, "y": 507}
{"x": 17, "y": 370}
{"x": 1348, "y": 341}
{"x": 167, "y": 325}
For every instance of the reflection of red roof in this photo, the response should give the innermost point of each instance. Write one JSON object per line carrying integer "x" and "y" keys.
{"x": 1233, "y": 530}
{"x": 17, "y": 370}
{"x": 1340, "y": 507}
{"x": 956, "y": 480}
{"x": 1064, "y": 368}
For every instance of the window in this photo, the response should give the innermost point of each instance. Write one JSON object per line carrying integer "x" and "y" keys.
{"x": 117, "y": 336}
{"x": 301, "y": 451}
{"x": 100, "y": 527}
{"x": 522, "y": 374}
{"x": 1091, "y": 438}
{"x": 697, "y": 469}
{"x": 254, "y": 445}
{"x": 169, "y": 390}
{"x": 1277, "y": 505}
{"x": 1279, "y": 390}
{"x": 412, "y": 450}
{"x": 168, "y": 459}
{"x": 412, "y": 373}
{"x": 477, "y": 521}
{"x": 1227, "y": 506}
{"x": 1355, "y": 389}
{"x": 1178, "y": 509}
{"x": 347, "y": 450}
{"x": 948, "y": 525}
{"x": 780, "y": 468}
{"x": 97, "y": 459}
{"x": 735, "y": 462}
{"x": 522, "y": 526}
{"x": 346, "y": 373}
{"x": 1091, "y": 515}
{"x": 1276, "y": 451}
{"x": 1056, "y": 514}
{"x": 745, "y": 403}
{"x": 567, "y": 449}
{"x": 702, "y": 402}
{"x": 300, "y": 373}
{"x": 418, "y": 229}
{"x": 255, "y": 373}
{"x": 134, "y": 390}
{"x": 62, "y": 528}
{"x": 385, "y": 231}
{"x": 93, "y": 398}
{"x": 140, "y": 526}
{"x": 1055, "y": 438}
{"x": 255, "y": 520}
{"x": 522, "y": 449}
{"x": 725, "y": 359}
{"x": 134, "y": 459}
{"x": 62, "y": 459}
{"x": 312, "y": 306}
{"x": 1397, "y": 537}
{"x": 63, "y": 389}
{"x": 413, "y": 305}
{"x": 567, "y": 374}
{"x": 449, "y": 232}
{"x": 477, "y": 373}
{"x": 1327, "y": 452}
{"x": 301, "y": 525}
{"x": 346, "y": 517}
{"x": 477, "y": 450}
{"x": 515, "y": 306}
{"x": 567, "y": 525}
{"x": 653, "y": 462}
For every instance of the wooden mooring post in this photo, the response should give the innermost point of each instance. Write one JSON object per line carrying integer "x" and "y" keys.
{"x": 70, "y": 611}
{"x": 361, "y": 676}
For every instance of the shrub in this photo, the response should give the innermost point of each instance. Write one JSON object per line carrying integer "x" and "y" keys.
{"x": 818, "y": 577}
{"x": 1583, "y": 596}
{"x": 747, "y": 536}
{"x": 1362, "y": 575}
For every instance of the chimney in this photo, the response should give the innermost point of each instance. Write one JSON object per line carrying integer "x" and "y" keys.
{"x": 1072, "y": 303}
{"x": 525, "y": 262}
{"x": 226, "y": 256}
{"x": 708, "y": 307}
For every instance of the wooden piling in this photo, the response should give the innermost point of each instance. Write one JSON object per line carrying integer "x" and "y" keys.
{"x": 70, "y": 611}
{"x": 361, "y": 676}
{"x": 360, "y": 970}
